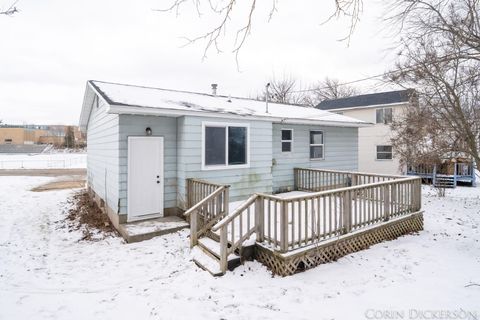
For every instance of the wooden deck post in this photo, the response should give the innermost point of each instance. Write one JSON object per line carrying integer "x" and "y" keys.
{"x": 393, "y": 198}
{"x": 418, "y": 194}
{"x": 347, "y": 212}
{"x": 354, "y": 179}
{"x": 295, "y": 179}
{"x": 223, "y": 249}
{"x": 226, "y": 201}
{"x": 283, "y": 226}
{"x": 386, "y": 203}
{"x": 259, "y": 219}
{"x": 193, "y": 229}
{"x": 189, "y": 194}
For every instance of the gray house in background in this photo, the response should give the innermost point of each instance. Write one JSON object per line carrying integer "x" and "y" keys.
{"x": 143, "y": 143}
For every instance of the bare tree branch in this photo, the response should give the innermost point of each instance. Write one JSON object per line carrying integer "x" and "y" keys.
{"x": 440, "y": 57}
{"x": 11, "y": 10}
{"x": 350, "y": 9}
{"x": 330, "y": 89}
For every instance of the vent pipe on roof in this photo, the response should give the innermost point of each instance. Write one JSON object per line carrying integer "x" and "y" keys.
{"x": 214, "y": 89}
{"x": 266, "y": 97}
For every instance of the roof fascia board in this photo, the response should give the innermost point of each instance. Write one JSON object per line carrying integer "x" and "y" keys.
{"x": 372, "y": 106}
{"x": 99, "y": 93}
{"x": 88, "y": 107}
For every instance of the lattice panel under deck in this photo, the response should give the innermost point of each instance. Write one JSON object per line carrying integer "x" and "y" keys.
{"x": 288, "y": 265}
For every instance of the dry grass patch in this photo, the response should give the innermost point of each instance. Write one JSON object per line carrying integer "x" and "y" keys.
{"x": 86, "y": 215}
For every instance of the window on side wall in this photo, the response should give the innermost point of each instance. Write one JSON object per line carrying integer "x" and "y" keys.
{"x": 287, "y": 140}
{"x": 316, "y": 145}
{"x": 384, "y": 115}
{"x": 384, "y": 153}
{"x": 8, "y": 141}
{"x": 225, "y": 145}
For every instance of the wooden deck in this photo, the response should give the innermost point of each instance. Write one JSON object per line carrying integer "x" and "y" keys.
{"x": 349, "y": 204}
{"x": 445, "y": 177}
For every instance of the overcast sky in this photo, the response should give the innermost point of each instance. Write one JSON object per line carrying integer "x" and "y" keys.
{"x": 51, "y": 48}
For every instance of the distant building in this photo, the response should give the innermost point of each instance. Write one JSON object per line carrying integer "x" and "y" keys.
{"x": 17, "y": 136}
{"x": 38, "y": 134}
{"x": 375, "y": 151}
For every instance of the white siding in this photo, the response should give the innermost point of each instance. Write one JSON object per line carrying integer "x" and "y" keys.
{"x": 370, "y": 137}
{"x": 340, "y": 152}
{"x": 165, "y": 127}
{"x": 102, "y": 154}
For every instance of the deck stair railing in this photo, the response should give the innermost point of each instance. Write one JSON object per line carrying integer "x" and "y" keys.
{"x": 238, "y": 227}
{"x": 207, "y": 204}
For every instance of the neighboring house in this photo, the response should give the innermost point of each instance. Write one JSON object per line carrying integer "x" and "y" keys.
{"x": 143, "y": 143}
{"x": 375, "y": 149}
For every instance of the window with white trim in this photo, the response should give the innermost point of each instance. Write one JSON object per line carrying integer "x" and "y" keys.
{"x": 384, "y": 115}
{"x": 316, "y": 145}
{"x": 384, "y": 153}
{"x": 225, "y": 145}
{"x": 287, "y": 140}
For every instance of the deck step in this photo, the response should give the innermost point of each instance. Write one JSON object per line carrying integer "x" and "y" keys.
{"x": 206, "y": 261}
{"x": 211, "y": 247}
{"x": 444, "y": 182}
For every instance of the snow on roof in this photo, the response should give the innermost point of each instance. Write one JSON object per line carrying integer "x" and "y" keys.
{"x": 132, "y": 99}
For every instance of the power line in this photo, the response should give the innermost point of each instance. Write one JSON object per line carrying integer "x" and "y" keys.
{"x": 386, "y": 73}
{"x": 349, "y": 82}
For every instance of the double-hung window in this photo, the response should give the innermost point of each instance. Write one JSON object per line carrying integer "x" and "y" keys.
{"x": 316, "y": 145}
{"x": 287, "y": 140}
{"x": 225, "y": 145}
{"x": 384, "y": 115}
{"x": 384, "y": 152}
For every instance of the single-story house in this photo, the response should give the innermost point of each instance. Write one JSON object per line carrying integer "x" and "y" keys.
{"x": 143, "y": 143}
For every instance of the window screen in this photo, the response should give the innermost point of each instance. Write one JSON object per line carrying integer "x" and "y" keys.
{"x": 237, "y": 145}
{"x": 384, "y": 153}
{"x": 316, "y": 145}
{"x": 287, "y": 138}
{"x": 384, "y": 115}
{"x": 387, "y": 115}
{"x": 215, "y": 138}
{"x": 379, "y": 116}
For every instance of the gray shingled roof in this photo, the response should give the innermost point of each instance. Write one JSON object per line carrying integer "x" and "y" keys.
{"x": 364, "y": 100}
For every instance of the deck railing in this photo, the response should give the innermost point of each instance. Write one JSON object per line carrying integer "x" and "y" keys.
{"x": 207, "y": 204}
{"x": 319, "y": 179}
{"x": 295, "y": 222}
{"x": 457, "y": 169}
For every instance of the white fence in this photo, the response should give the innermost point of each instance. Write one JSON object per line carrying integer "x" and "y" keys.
{"x": 58, "y": 162}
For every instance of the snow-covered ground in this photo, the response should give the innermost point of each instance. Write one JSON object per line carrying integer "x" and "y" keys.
{"x": 46, "y": 273}
{"x": 43, "y": 161}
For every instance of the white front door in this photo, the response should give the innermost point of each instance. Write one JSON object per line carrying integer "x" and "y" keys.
{"x": 145, "y": 177}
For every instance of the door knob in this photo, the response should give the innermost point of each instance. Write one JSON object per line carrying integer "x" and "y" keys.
{"x": 158, "y": 181}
